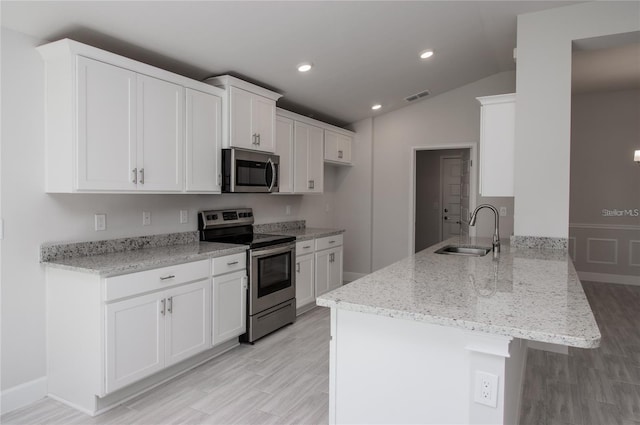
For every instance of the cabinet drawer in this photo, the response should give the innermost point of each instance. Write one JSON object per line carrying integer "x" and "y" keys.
{"x": 305, "y": 247}
{"x": 229, "y": 263}
{"x": 150, "y": 280}
{"x": 328, "y": 242}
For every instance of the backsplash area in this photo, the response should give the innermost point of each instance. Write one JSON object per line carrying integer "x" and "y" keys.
{"x": 280, "y": 226}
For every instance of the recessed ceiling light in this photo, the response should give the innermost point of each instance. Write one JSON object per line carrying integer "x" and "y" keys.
{"x": 376, "y": 106}
{"x": 305, "y": 66}
{"x": 426, "y": 54}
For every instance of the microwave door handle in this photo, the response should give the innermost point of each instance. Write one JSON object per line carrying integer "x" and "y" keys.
{"x": 273, "y": 173}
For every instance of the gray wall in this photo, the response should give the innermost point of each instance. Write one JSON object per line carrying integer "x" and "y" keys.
{"x": 605, "y": 131}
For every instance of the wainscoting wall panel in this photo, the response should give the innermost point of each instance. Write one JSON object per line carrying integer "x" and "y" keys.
{"x": 606, "y": 252}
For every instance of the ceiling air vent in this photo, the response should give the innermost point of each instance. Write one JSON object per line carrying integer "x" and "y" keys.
{"x": 417, "y": 96}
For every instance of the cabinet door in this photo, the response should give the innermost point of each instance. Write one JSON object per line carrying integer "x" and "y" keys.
{"x": 203, "y": 138}
{"x": 240, "y": 129}
{"x": 323, "y": 271}
{"x": 135, "y": 339}
{"x": 335, "y": 268}
{"x": 229, "y": 306}
{"x": 497, "y": 144}
{"x": 344, "y": 149}
{"x": 188, "y": 316}
{"x": 301, "y": 152}
{"x": 160, "y": 134}
{"x": 263, "y": 115}
{"x": 330, "y": 145}
{"x": 315, "y": 160}
{"x": 305, "y": 288}
{"x": 106, "y": 124}
{"x": 284, "y": 149}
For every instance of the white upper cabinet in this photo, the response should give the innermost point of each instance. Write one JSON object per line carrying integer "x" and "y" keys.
{"x": 106, "y": 149}
{"x": 203, "y": 142}
{"x": 337, "y": 147}
{"x": 117, "y": 125}
{"x": 284, "y": 149}
{"x": 160, "y": 138}
{"x": 249, "y": 120}
{"x": 308, "y": 175}
{"x": 497, "y": 144}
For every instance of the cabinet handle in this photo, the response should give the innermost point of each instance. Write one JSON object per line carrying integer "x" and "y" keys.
{"x": 255, "y": 139}
{"x": 142, "y": 176}
{"x": 311, "y": 184}
{"x": 332, "y": 242}
{"x": 170, "y": 305}
{"x": 297, "y": 267}
{"x": 164, "y": 304}
{"x": 135, "y": 175}
{"x": 219, "y": 179}
{"x": 232, "y": 263}
{"x": 171, "y": 276}
{"x": 306, "y": 247}
{"x": 258, "y": 139}
{"x": 340, "y": 154}
{"x": 244, "y": 282}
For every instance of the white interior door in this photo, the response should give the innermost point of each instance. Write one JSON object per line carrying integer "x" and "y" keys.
{"x": 451, "y": 172}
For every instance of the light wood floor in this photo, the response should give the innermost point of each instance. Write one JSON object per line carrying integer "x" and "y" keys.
{"x": 600, "y": 386}
{"x": 283, "y": 379}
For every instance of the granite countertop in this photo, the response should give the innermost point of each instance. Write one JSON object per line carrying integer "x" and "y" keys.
{"x": 116, "y": 263}
{"x": 308, "y": 233}
{"x": 533, "y": 294}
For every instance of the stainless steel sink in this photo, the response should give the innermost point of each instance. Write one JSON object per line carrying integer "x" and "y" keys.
{"x": 470, "y": 251}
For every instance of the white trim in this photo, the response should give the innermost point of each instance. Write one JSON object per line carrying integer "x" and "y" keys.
{"x": 473, "y": 185}
{"x": 348, "y": 277}
{"x": 604, "y": 226}
{"x": 631, "y": 242}
{"x": 615, "y": 251}
{"x": 23, "y": 395}
{"x": 610, "y": 278}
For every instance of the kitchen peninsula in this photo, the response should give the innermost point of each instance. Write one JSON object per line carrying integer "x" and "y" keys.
{"x": 442, "y": 338}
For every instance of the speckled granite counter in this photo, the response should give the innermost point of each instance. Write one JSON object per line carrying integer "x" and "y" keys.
{"x": 308, "y": 233}
{"x": 116, "y": 263}
{"x": 528, "y": 293}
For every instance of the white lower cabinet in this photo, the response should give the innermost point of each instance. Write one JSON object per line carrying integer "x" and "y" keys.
{"x": 229, "y": 306}
{"x": 305, "y": 284}
{"x": 109, "y": 338}
{"x": 328, "y": 264}
{"x": 148, "y": 333}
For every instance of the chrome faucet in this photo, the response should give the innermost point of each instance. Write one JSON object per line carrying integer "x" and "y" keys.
{"x": 496, "y": 235}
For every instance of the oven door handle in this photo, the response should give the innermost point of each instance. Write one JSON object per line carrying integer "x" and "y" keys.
{"x": 261, "y": 251}
{"x": 273, "y": 174}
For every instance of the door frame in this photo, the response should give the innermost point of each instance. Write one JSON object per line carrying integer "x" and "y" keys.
{"x": 473, "y": 183}
{"x": 440, "y": 200}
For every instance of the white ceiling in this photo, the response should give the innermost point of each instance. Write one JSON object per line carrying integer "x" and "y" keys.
{"x": 364, "y": 52}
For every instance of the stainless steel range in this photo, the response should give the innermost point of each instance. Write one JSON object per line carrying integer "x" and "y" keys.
{"x": 271, "y": 302}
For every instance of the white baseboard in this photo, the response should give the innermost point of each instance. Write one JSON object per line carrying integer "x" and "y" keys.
{"x": 23, "y": 395}
{"x": 350, "y": 276}
{"x": 547, "y": 346}
{"x": 610, "y": 278}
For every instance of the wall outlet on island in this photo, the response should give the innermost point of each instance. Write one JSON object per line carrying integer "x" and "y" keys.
{"x": 486, "y": 390}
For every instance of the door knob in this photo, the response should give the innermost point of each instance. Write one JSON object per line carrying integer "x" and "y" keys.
{"x": 446, "y": 218}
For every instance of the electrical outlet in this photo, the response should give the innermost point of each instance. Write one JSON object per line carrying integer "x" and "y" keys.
{"x": 100, "y": 222}
{"x": 486, "y": 389}
{"x": 146, "y": 218}
{"x": 184, "y": 216}
{"x": 503, "y": 211}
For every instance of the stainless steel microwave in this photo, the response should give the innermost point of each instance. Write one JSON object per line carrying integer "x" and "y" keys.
{"x": 249, "y": 171}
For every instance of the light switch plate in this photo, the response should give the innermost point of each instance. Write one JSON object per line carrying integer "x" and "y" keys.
{"x": 184, "y": 216}
{"x": 503, "y": 211}
{"x": 146, "y": 218}
{"x": 100, "y": 222}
